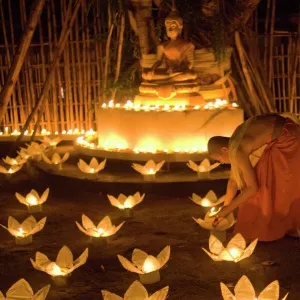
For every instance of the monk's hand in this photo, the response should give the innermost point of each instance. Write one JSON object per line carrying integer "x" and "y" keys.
{"x": 216, "y": 221}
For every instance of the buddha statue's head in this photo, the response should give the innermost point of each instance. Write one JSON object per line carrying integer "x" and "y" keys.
{"x": 174, "y": 23}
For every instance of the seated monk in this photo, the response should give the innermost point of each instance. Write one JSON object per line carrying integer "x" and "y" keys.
{"x": 177, "y": 54}
{"x": 264, "y": 153}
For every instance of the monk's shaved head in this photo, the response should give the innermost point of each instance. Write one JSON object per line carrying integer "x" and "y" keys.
{"x": 216, "y": 143}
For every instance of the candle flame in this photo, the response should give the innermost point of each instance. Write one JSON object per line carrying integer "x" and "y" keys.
{"x": 151, "y": 171}
{"x": 235, "y": 253}
{"x": 92, "y": 170}
{"x": 148, "y": 265}
{"x": 56, "y": 271}
{"x": 32, "y": 200}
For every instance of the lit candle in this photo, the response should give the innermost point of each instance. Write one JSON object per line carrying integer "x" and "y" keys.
{"x": 235, "y": 253}
{"x": 214, "y": 212}
{"x": 148, "y": 265}
{"x": 151, "y": 171}
{"x": 32, "y": 200}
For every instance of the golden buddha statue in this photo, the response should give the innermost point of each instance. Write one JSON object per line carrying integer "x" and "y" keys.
{"x": 168, "y": 76}
{"x": 177, "y": 54}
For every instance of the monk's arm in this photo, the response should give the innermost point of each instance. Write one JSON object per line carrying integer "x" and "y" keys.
{"x": 230, "y": 191}
{"x": 250, "y": 181}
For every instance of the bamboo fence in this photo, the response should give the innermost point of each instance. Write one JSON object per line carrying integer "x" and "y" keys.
{"x": 82, "y": 74}
{"x": 91, "y": 63}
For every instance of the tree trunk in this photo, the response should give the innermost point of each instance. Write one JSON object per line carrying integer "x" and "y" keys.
{"x": 140, "y": 19}
{"x": 19, "y": 58}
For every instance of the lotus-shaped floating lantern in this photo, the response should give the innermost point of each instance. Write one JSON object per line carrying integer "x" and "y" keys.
{"x": 51, "y": 142}
{"x": 147, "y": 266}
{"x": 220, "y": 229}
{"x": 14, "y": 161}
{"x": 137, "y": 292}
{"x": 104, "y": 229}
{"x": 62, "y": 267}
{"x": 126, "y": 203}
{"x": 23, "y": 232}
{"x": 13, "y": 169}
{"x": 244, "y": 290}
{"x": 35, "y": 150}
{"x": 24, "y": 153}
{"x": 56, "y": 159}
{"x": 33, "y": 201}
{"x": 22, "y": 290}
{"x": 93, "y": 167}
{"x": 235, "y": 251}
{"x": 149, "y": 169}
{"x": 210, "y": 200}
{"x": 204, "y": 166}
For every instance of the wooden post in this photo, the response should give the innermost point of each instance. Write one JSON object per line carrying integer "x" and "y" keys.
{"x": 58, "y": 52}
{"x": 20, "y": 56}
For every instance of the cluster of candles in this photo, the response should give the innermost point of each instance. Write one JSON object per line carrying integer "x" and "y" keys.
{"x": 129, "y": 105}
{"x": 82, "y": 142}
{"x": 44, "y": 132}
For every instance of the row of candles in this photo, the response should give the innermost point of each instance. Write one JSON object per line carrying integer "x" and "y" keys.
{"x": 129, "y": 105}
{"x": 38, "y": 152}
{"x": 45, "y": 132}
{"x": 149, "y": 266}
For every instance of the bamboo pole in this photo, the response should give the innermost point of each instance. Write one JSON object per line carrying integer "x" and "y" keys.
{"x": 283, "y": 77}
{"x": 247, "y": 74}
{"x": 58, "y": 75}
{"x": 119, "y": 56}
{"x": 266, "y": 40}
{"x": 54, "y": 89}
{"x": 58, "y": 51}
{"x": 295, "y": 65}
{"x": 21, "y": 53}
{"x": 271, "y": 42}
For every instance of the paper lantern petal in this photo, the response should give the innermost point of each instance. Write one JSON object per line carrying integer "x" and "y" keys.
{"x": 160, "y": 295}
{"x": 138, "y": 257}
{"x": 227, "y": 295}
{"x": 244, "y": 289}
{"x": 237, "y": 242}
{"x": 87, "y": 223}
{"x": 44, "y": 196}
{"x": 20, "y": 290}
{"x": 128, "y": 265}
{"x": 42, "y": 293}
{"x": 110, "y": 296}
{"x": 215, "y": 246}
{"x": 81, "y": 260}
{"x": 270, "y": 292}
{"x": 136, "y": 291}
{"x": 164, "y": 256}
{"x": 65, "y": 258}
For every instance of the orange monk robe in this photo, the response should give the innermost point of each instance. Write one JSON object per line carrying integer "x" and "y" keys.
{"x": 275, "y": 209}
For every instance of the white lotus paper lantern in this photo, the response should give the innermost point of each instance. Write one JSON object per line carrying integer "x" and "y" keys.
{"x": 203, "y": 167}
{"x": 244, "y": 290}
{"x": 93, "y": 167}
{"x": 56, "y": 159}
{"x": 33, "y": 201}
{"x": 137, "y": 291}
{"x": 35, "y": 150}
{"x": 104, "y": 229}
{"x": 23, "y": 153}
{"x": 209, "y": 200}
{"x": 14, "y": 161}
{"x": 236, "y": 249}
{"x": 220, "y": 229}
{"x": 62, "y": 267}
{"x": 22, "y": 290}
{"x": 149, "y": 169}
{"x": 23, "y": 232}
{"x": 126, "y": 203}
{"x": 147, "y": 266}
{"x": 13, "y": 169}
{"x": 51, "y": 142}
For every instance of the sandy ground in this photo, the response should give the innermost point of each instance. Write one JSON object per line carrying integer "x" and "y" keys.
{"x": 158, "y": 221}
